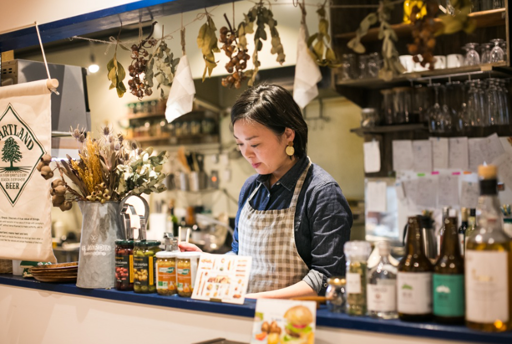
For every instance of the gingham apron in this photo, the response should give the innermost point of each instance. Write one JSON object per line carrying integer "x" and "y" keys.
{"x": 268, "y": 236}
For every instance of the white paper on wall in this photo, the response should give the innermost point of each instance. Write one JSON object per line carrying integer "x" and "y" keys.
{"x": 476, "y": 157}
{"x": 422, "y": 155}
{"x": 458, "y": 156}
{"x": 469, "y": 194}
{"x": 439, "y": 152}
{"x": 448, "y": 190}
{"x": 504, "y": 164}
{"x": 376, "y": 196}
{"x": 400, "y": 192}
{"x": 426, "y": 192}
{"x": 491, "y": 148}
{"x": 371, "y": 156}
{"x": 403, "y": 158}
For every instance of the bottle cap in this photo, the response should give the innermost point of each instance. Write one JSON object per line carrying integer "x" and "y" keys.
{"x": 487, "y": 171}
{"x": 384, "y": 247}
{"x": 357, "y": 248}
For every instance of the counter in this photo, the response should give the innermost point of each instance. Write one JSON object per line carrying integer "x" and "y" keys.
{"x": 34, "y": 312}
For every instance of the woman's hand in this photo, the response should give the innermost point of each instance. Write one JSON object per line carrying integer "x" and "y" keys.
{"x": 185, "y": 247}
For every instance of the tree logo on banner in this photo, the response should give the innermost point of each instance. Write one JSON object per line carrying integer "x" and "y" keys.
{"x": 20, "y": 153}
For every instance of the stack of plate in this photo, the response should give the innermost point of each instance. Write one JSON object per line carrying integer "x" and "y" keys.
{"x": 63, "y": 272}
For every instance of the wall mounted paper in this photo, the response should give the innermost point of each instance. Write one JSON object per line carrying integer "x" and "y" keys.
{"x": 25, "y": 202}
{"x": 476, "y": 157}
{"x": 504, "y": 164}
{"x": 410, "y": 187}
{"x": 469, "y": 193}
{"x": 422, "y": 151}
{"x": 403, "y": 158}
{"x": 371, "y": 157}
{"x": 491, "y": 148}
{"x": 426, "y": 192}
{"x": 459, "y": 157}
{"x": 439, "y": 152}
{"x": 376, "y": 196}
{"x": 400, "y": 192}
{"x": 307, "y": 72}
{"x": 448, "y": 190}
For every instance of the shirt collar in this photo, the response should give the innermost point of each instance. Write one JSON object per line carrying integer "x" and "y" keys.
{"x": 289, "y": 180}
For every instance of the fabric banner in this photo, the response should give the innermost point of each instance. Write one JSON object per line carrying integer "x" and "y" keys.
{"x": 25, "y": 202}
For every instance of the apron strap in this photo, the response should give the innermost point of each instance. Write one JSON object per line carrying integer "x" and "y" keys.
{"x": 298, "y": 186}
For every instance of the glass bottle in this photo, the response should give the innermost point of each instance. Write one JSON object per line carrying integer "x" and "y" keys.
{"x": 448, "y": 278}
{"x": 387, "y": 106}
{"x": 488, "y": 262}
{"x": 414, "y": 278}
{"x": 471, "y": 226}
{"x": 357, "y": 253}
{"x": 382, "y": 286}
{"x": 439, "y": 237}
{"x": 462, "y": 229}
{"x": 335, "y": 294}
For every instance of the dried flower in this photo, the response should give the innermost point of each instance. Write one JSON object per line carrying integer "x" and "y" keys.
{"x": 109, "y": 169}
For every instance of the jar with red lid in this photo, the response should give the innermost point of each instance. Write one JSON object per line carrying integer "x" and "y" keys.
{"x": 124, "y": 265}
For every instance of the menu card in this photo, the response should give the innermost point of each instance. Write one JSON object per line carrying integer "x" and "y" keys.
{"x": 222, "y": 278}
{"x": 284, "y": 321}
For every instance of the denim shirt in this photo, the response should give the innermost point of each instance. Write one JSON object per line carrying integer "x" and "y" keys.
{"x": 322, "y": 219}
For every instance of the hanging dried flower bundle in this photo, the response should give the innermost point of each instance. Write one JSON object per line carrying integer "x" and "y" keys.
{"x": 320, "y": 43}
{"x": 238, "y": 57}
{"x": 207, "y": 42}
{"x": 262, "y": 16}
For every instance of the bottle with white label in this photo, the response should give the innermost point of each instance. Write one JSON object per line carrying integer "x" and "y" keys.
{"x": 357, "y": 253}
{"x": 381, "y": 289}
{"x": 488, "y": 262}
{"x": 414, "y": 278}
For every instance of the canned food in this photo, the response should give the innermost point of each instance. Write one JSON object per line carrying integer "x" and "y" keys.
{"x": 186, "y": 263}
{"x": 124, "y": 265}
{"x": 166, "y": 273}
{"x": 144, "y": 266}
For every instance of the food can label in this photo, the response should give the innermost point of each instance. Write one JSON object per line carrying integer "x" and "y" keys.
{"x": 124, "y": 269}
{"x": 143, "y": 270}
{"x": 165, "y": 276}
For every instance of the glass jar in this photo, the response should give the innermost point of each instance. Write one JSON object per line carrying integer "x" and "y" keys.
{"x": 402, "y": 105}
{"x": 387, "y": 106}
{"x": 124, "y": 265}
{"x": 186, "y": 263}
{"x": 369, "y": 118}
{"x": 144, "y": 266}
{"x": 357, "y": 253}
{"x": 166, "y": 273}
{"x": 335, "y": 294}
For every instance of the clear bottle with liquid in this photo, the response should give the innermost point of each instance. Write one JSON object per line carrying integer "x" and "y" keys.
{"x": 382, "y": 286}
{"x": 488, "y": 262}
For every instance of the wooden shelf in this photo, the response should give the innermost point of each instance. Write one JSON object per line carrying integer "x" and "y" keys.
{"x": 146, "y": 115}
{"x": 389, "y": 129}
{"x": 483, "y": 19}
{"x": 498, "y": 69}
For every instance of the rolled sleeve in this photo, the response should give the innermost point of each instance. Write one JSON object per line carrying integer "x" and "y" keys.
{"x": 316, "y": 281}
{"x": 330, "y": 221}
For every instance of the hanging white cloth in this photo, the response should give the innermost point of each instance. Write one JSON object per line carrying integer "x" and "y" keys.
{"x": 25, "y": 201}
{"x": 307, "y": 72}
{"x": 181, "y": 95}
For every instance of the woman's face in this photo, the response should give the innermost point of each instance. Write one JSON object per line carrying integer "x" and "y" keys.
{"x": 261, "y": 147}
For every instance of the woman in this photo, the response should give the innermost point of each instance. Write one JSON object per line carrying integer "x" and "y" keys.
{"x": 292, "y": 218}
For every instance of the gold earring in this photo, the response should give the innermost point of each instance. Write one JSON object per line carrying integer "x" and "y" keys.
{"x": 290, "y": 150}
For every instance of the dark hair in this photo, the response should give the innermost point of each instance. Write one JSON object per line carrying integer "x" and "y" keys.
{"x": 273, "y": 107}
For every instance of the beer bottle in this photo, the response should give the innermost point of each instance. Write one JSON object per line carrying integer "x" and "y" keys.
{"x": 448, "y": 279}
{"x": 414, "y": 278}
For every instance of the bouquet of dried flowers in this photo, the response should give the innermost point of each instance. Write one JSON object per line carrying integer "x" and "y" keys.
{"x": 110, "y": 168}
